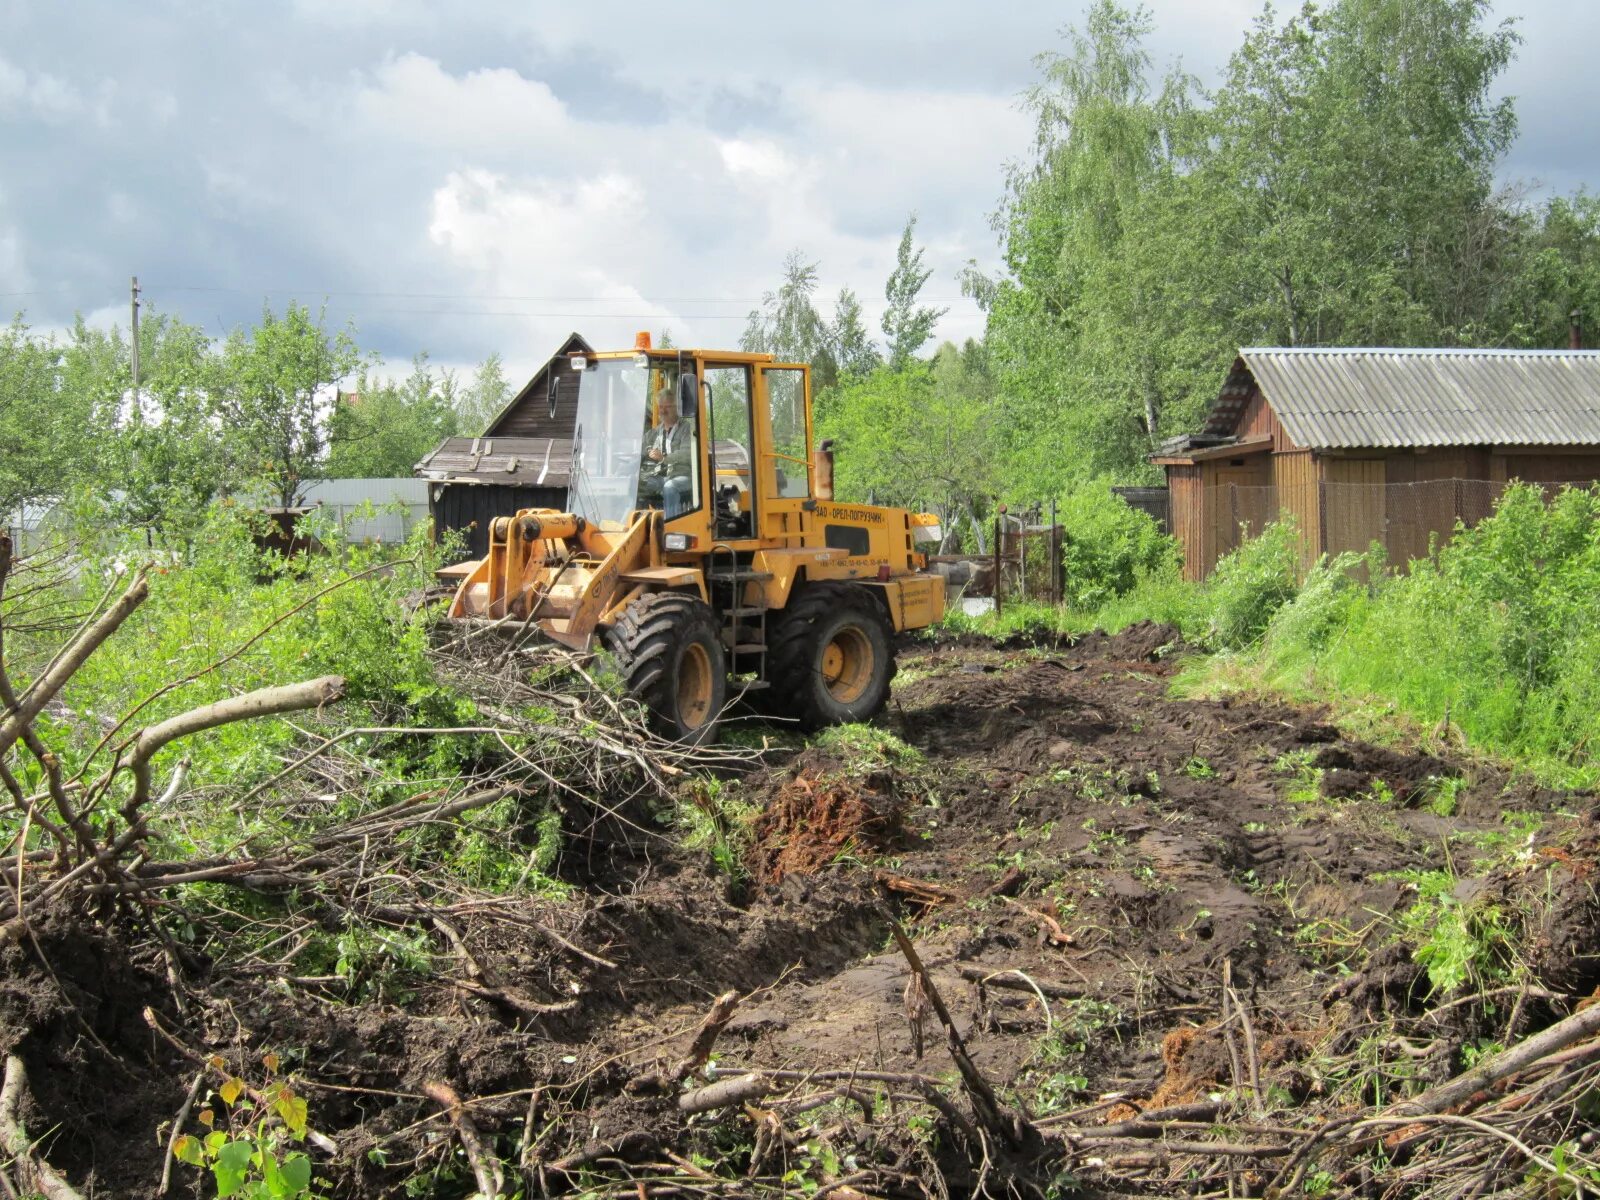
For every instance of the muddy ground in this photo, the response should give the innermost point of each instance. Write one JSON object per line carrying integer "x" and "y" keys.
{"x": 1080, "y": 858}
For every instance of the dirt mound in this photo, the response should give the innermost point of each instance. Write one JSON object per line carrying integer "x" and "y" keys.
{"x": 71, "y": 1008}
{"x": 1352, "y": 769}
{"x": 818, "y": 813}
{"x": 1143, "y": 641}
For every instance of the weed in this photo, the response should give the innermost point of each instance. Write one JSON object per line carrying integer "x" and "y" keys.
{"x": 1198, "y": 768}
{"x": 714, "y": 819}
{"x": 1442, "y": 794}
{"x": 1457, "y": 942}
{"x": 1305, "y": 780}
{"x": 1075, "y": 1026}
{"x": 864, "y": 747}
{"x": 1254, "y": 582}
{"x": 251, "y": 1156}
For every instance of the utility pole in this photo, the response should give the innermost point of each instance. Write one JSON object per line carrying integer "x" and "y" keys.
{"x": 135, "y": 339}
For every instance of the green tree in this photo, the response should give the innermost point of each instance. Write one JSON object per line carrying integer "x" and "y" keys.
{"x": 788, "y": 325}
{"x": 1075, "y": 325}
{"x": 1338, "y": 188}
{"x": 42, "y": 429}
{"x": 907, "y": 326}
{"x": 382, "y": 429}
{"x": 481, "y": 401}
{"x": 919, "y": 438}
{"x": 162, "y": 452}
{"x": 853, "y": 349}
{"x": 271, "y": 387}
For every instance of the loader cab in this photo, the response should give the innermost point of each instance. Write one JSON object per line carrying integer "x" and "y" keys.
{"x": 636, "y": 440}
{"x": 759, "y": 419}
{"x": 718, "y": 443}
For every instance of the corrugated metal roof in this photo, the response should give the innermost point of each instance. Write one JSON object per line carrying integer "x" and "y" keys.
{"x": 525, "y": 462}
{"x": 1345, "y": 398}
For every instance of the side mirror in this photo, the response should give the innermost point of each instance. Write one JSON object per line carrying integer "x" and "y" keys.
{"x": 688, "y": 395}
{"x": 551, "y": 393}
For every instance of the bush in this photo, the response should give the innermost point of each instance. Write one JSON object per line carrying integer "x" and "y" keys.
{"x": 1498, "y": 631}
{"x": 1254, "y": 582}
{"x": 1322, "y": 608}
{"x": 1107, "y": 546}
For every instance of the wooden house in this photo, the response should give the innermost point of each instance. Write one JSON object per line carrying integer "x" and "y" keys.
{"x": 520, "y": 461}
{"x": 1386, "y": 445}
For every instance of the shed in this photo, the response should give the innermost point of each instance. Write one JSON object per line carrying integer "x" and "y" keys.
{"x": 473, "y": 480}
{"x": 519, "y": 461}
{"x": 1386, "y": 445}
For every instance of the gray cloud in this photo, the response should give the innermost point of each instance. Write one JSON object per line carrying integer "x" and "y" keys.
{"x": 487, "y": 177}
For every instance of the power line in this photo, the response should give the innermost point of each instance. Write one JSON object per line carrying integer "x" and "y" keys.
{"x": 488, "y": 296}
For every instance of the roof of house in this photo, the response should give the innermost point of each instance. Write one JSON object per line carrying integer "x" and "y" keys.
{"x": 1357, "y": 397}
{"x": 517, "y": 461}
{"x": 575, "y": 344}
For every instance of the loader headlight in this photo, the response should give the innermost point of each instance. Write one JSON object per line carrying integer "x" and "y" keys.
{"x": 676, "y": 541}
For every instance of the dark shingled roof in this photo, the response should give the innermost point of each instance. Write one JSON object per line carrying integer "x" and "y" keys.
{"x": 1353, "y": 398}
{"x": 524, "y": 462}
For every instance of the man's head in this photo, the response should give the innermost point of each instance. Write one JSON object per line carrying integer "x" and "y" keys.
{"x": 667, "y": 406}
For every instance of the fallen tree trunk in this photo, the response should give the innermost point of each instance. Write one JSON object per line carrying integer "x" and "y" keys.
{"x": 1453, "y": 1093}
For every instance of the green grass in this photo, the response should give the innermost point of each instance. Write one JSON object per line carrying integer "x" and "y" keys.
{"x": 1491, "y": 641}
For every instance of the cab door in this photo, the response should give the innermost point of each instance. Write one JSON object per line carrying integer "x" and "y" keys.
{"x": 783, "y": 466}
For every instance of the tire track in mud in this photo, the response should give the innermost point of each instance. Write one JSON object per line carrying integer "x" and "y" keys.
{"x": 1158, "y": 832}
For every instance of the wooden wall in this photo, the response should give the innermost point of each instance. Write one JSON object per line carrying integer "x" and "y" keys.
{"x": 529, "y": 414}
{"x": 1550, "y": 466}
{"x": 1258, "y": 420}
{"x": 1404, "y": 499}
{"x": 1189, "y": 519}
{"x": 1296, "y": 476}
{"x": 1353, "y": 503}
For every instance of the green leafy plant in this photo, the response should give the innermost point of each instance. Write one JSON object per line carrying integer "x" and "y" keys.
{"x": 865, "y": 747}
{"x": 1455, "y": 941}
{"x": 714, "y": 818}
{"x": 1253, "y": 583}
{"x": 252, "y": 1154}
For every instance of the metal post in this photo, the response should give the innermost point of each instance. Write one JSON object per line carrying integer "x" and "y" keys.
{"x": 1022, "y": 555}
{"x": 999, "y": 518}
{"x": 1056, "y": 589}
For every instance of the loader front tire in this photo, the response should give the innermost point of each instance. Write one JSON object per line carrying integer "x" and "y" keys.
{"x": 671, "y": 657}
{"x": 831, "y": 655}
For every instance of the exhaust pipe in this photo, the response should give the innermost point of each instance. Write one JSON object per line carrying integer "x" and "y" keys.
{"x": 822, "y": 471}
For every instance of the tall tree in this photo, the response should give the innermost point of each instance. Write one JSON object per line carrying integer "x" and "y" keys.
{"x": 1338, "y": 188}
{"x": 920, "y": 438}
{"x": 481, "y": 400}
{"x": 1074, "y": 325}
{"x": 853, "y": 349}
{"x": 907, "y": 326}
{"x": 272, "y": 387}
{"x": 162, "y": 453}
{"x": 788, "y": 325}
{"x": 40, "y": 435}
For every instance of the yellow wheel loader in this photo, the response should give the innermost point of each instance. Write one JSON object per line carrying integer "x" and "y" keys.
{"x": 704, "y": 549}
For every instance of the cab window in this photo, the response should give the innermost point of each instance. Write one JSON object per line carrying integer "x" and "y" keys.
{"x": 786, "y": 406}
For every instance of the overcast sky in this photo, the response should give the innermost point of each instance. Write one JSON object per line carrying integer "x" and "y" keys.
{"x": 484, "y": 177}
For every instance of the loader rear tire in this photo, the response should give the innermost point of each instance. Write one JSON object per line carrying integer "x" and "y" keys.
{"x": 831, "y": 655}
{"x": 670, "y": 655}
